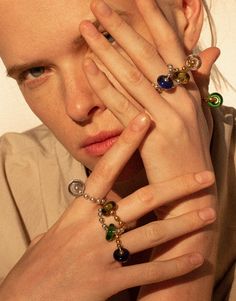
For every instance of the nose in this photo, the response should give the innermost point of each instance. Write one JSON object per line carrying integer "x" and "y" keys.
{"x": 81, "y": 103}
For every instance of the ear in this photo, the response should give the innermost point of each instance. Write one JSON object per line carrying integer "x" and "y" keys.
{"x": 193, "y": 14}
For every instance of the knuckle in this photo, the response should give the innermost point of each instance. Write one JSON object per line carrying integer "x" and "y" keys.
{"x": 192, "y": 221}
{"x": 134, "y": 77}
{"x": 104, "y": 170}
{"x": 153, "y": 233}
{"x": 151, "y": 272}
{"x": 103, "y": 82}
{"x": 186, "y": 184}
{"x": 145, "y": 196}
{"x": 124, "y": 107}
{"x": 118, "y": 25}
{"x": 148, "y": 52}
{"x": 180, "y": 266}
{"x": 129, "y": 140}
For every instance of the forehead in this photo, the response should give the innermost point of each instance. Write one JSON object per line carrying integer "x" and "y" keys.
{"x": 41, "y": 24}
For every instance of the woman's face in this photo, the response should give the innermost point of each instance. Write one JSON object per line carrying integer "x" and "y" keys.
{"x": 41, "y": 46}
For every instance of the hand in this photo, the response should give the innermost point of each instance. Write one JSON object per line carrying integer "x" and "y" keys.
{"x": 179, "y": 139}
{"x": 73, "y": 259}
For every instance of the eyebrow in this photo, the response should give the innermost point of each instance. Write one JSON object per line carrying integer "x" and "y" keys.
{"x": 12, "y": 71}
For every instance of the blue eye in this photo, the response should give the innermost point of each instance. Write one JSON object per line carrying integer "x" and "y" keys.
{"x": 108, "y": 37}
{"x": 33, "y": 74}
{"x": 36, "y": 71}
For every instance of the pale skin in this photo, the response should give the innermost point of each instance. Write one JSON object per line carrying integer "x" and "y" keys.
{"x": 73, "y": 96}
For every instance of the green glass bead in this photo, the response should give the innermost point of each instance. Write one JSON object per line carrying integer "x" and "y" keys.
{"x": 215, "y": 100}
{"x": 181, "y": 77}
{"x": 108, "y": 207}
{"x": 111, "y": 232}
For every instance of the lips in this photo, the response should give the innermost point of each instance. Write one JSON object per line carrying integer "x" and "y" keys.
{"x": 99, "y": 144}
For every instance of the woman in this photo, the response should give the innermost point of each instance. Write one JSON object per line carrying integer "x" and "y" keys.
{"x": 91, "y": 85}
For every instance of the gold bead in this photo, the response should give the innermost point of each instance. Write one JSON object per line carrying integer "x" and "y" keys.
{"x": 116, "y": 218}
{"x": 181, "y": 77}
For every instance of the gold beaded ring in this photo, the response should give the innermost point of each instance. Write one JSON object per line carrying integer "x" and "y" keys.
{"x": 177, "y": 76}
{"x": 108, "y": 208}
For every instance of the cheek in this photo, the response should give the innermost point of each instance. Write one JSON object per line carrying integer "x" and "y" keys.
{"x": 47, "y": 104}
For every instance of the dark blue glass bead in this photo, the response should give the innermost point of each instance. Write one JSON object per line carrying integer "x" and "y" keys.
{"x": 164, "y": 82}
{"x": 121, "y": 257}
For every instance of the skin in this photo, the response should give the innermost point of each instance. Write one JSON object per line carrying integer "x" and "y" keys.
{"x": 67, "y": 98}
{"x": 66, "y": 83}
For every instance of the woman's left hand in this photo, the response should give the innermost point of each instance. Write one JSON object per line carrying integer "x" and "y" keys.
{"x": 180, "y": 138}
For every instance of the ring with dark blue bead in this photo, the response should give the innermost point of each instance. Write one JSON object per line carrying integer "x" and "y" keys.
{"x": 177, "y": 76}
{"x": 165, "y": 82}
{"x": 121, "y": 255}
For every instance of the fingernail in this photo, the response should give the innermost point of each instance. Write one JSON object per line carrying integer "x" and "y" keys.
{"x": 91, "y": 67}
{"x": 139, "y": 122}
{"x": 103, "y": 9}
{"x": 204, "y": 177}
{"x": 88, "y": 29}
{"x": 207, "y": 214}
{"x": 196, "y": 259}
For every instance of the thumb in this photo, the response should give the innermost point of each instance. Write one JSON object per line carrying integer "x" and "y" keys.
{"x": 202, "y": 75}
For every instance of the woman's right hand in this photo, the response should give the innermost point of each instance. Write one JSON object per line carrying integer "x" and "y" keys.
{"x": 73, "y": 261}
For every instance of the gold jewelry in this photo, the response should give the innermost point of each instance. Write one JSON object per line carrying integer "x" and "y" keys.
{"x": 177, "y": 76}
{"x": 108, "y": 208}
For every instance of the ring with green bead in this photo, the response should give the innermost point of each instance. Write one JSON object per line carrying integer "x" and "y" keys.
{"x": 214, "y": 100}
{"x": 108, "y": 208}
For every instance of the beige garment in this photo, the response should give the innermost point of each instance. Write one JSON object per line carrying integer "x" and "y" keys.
{"x": 36, "y": 169}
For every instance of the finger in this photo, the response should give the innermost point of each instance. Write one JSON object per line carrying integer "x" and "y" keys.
{"x": 154, "y": 196}
{"x": 164, "y": 36}
{"x": 142, "y": 52}
{"x": 156, "y": 233}
{"x": 153, "y": 272}
{"x": 111, "y": 164}
{"x": 117, "y": 103}
{"x": 126, "y": 73}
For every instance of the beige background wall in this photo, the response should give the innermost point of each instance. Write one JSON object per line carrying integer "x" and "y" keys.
{"x": 15, "y": 115}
